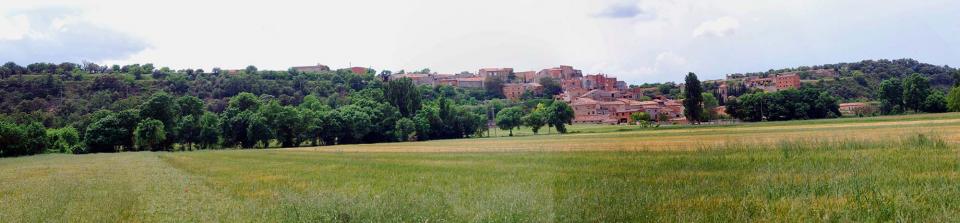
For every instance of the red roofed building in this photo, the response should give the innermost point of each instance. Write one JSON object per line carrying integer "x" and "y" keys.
{"x": 359, "y": 70}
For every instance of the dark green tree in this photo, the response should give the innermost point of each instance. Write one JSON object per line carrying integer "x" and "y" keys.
{"x": 891, "y": 96}
{"x": 916, "y": 88}
{"x": 559, "y": 115}
{"x": 550, "y": 86}
{"x": 493, "y": 87}
{"x": 209, "y": 130}
{"x": 936, "y": 102}
{"x": 190, "y": 105}
{"x": 404, "y": 95}
{"x": 693, "y": 100}
{"x": 106, "y": 135}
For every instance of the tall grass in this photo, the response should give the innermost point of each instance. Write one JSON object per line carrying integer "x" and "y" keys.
{"x": 909, "y": 178}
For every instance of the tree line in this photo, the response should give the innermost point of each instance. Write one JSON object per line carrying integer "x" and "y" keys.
{"x": 107, "y": 109}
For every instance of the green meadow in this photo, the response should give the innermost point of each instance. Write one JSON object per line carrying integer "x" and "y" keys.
{"x": 899, "y": 168}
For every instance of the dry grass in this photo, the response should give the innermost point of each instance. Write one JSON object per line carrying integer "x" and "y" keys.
{"x": 631, "y": 138}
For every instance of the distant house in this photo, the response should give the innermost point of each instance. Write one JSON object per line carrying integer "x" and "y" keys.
{"x": 418, "y": 79}
{"x": 515, "y": 91}
{"x": 562, "y": 72}
{"x": 312, "y": 69}
{"x": 468, "y": 82}
{"x": 600, "y": 107}
{"x": 495, "y": 72}
{"x": 527, "y": 76}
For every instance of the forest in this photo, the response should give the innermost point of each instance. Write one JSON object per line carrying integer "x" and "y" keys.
{"x": 74, "y": 108}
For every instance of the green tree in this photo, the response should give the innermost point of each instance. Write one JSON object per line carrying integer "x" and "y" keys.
{"x": 536, "y": 119}
{"x": 149, "y": 135}
{"x": 693, "y": 100}
{"x": 641, "y": 118}
{"x": 245, "y": 101}
{"x": 106, "y": 135}
{"x": 405, "y": 129}
{"x": 493, "y": 87}
{"x": 258, "y": 131}
{"x": 251, "y": 69}
{"x": 63, "y": 140}
{"x": 709, "y": 104}
{"x": 509, "y": 118}
{"x": 209, "y": 130}
{"x": 11, "y": 137}
{"x": 936, "y": 102}
{"x": 953, "y": 100}
{"x": 404, "y": 95}
{"x": 550, "y": 86}
{"x": 916, "y": 88}
{"x": 161, "y": 107}
{"x": 891, "y": 96}
{"x": 188, "y": 131}
{"x": 559, "y": 115}
{"x": 190, "y": 105}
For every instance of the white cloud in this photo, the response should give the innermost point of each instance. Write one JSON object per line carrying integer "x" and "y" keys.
{"x": 14, "y": 27}
{"x": 720, "y": 27}
{"x": 635, "y": 40}
{"x": 61, "y": 35}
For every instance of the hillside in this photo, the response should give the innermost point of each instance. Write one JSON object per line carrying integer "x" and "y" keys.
{"x": 859, "y": 81}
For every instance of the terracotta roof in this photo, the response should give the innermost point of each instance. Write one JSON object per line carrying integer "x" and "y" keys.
{"x": 584, "y": 101}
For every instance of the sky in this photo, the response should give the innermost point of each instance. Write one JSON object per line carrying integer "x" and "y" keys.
{"x": 636, "y": 40}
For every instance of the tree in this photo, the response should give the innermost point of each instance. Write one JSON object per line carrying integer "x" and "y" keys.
{"x": 251, "y": 69}
{"x": 209, "y": 128}
{"x": 162, "y": 107}
{"x": 245, "y": 101}
{"x": 190, "y": 105}
{"x": 953, "y": 100}
{"x": 550, "y": 86}
{"x": 559, "y": 115}
{"x": 149, "y": 135}
{"x": 493, "y": 87}
{"x": 692, "y": 102}
{"x": 891, "y": 96}
{"x": 405, "y": 129}
{"x": 105, "y": 135}
{"x": 11, "y": 136}
{"x": 641, "y": 118}
{"x": 63, "y": 140}
{"x": 536, "y": 119}
{"x": 936, "y": 102}
{"x": 404, "y": 95}
{"x": 188, "y": 131}
{"x": 509, "y": 118}
{"x": 956, "y": 78}
{"x": 258, "y": 131}
{"x": 916, "y": 88}
{"x": 709, "y": 104}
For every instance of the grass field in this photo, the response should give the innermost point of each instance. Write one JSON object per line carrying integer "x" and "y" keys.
{"x": 903, "y": 168}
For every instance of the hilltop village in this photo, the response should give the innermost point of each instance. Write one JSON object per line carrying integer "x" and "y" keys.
{"x": 595, "y": 98}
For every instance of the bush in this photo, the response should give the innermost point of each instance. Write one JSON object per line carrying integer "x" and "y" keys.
{"x": 63, "y": 140}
